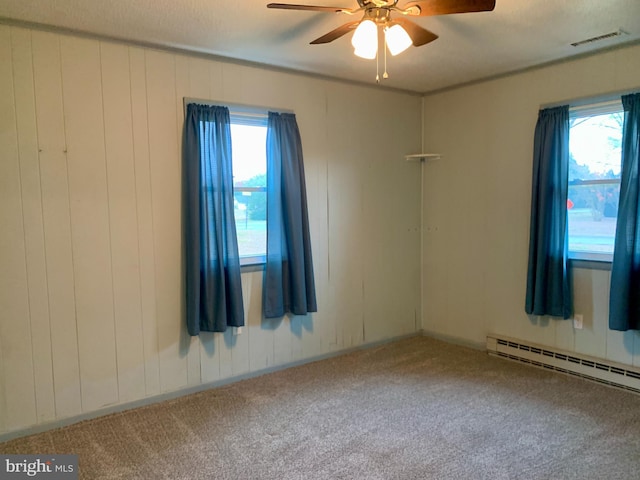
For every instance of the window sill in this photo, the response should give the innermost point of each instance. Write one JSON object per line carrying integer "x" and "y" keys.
{"x": 252, "y": 264}
{"x": 591, "y": 261}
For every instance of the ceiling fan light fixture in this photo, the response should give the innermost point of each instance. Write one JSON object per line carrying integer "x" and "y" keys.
{"x": 366, "y": 53}
{"x": 397, "y": 39}
{"x": 365, "y": 40}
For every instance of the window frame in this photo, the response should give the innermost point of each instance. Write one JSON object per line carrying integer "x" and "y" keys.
{"x": 591, "y": 108}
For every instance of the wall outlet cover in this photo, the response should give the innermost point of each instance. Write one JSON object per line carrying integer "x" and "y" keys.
{"x": 577, "y": 321}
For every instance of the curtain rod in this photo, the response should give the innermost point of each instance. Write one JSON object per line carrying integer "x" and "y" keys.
{"x": 602, "y": 98}
{"x": 234, "y": 107}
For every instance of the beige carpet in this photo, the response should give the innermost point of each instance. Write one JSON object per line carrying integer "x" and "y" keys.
{"x": 413, "y": 409}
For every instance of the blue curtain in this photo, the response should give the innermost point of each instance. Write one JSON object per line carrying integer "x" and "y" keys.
{"x": 548, "y": 279}
{"x": 213, "y": 288}
{"x": 624, "y": 297}
{"x": 289, "y": 284}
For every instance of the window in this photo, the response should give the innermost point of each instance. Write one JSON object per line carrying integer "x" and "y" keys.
{"x": 248, "y": 140}
{"x": 248, "y": 145}
{"x": 595, "y": 140}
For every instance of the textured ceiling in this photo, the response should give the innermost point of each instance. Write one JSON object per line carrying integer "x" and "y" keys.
{"x": 516, "y": 35}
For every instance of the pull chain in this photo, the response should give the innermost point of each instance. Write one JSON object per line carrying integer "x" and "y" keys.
{"x": 385, "y": 74}
{"x": 378, "y": 66}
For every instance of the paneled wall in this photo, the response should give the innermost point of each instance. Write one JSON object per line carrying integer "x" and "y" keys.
{"x": 91, "y": 304}
{"x": 477, "y": 202}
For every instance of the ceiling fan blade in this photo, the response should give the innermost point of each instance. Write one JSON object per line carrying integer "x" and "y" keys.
{"x": 313, "y": 8}
{"x": 445, "y": 7}
{"x": 337, "y": 33}
{"x": 419, "y": 36}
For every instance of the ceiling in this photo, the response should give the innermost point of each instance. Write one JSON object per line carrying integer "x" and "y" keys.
{"x": 518, "y": 34}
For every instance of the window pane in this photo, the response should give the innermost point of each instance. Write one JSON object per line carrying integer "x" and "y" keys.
{"x": 595, "y": 144}
{"x": 251, "y": 223}
{"x": 250, "y": 170}
{"x": 592, "y": 217}
{"x": 595, "y": 153}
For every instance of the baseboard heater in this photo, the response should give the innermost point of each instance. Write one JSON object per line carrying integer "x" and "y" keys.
{"x": 591, "y": 368}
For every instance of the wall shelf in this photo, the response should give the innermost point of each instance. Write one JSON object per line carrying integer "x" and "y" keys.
{"x": 422, "y": 157}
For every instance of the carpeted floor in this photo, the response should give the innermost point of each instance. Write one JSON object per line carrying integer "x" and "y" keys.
{"x": 413, "y": 409}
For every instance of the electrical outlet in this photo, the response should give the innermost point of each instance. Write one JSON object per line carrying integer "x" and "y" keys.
{"x": 577, "y": 321}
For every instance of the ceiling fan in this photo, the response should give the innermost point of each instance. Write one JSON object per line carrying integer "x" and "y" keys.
{"x": 377, "y": 13}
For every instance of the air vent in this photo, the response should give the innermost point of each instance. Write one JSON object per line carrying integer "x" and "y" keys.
{"x": 599, "y": 370}
{"x": 600, "y": 38}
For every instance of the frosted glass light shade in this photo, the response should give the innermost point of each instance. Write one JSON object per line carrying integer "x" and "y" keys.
{"x": 397, "y": 39}
{"x": 365, "y": 40}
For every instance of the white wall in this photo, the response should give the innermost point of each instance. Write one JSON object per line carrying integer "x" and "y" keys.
{"x": 477, "y": 203}
{"x": 91, "y": 306}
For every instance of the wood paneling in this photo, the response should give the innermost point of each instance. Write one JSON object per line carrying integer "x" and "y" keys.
{"x": 33, "y": 223}
{"x": 90, "y": 229}
{"x": 165, "y": 191}
{"x": 56, "y": 212}
{"x": 91, "y": 245}
{"x": 259, "y": 331}
{"x": 123, "y": 220}
{"x": 144, "y": 211}
{"x": 17, "y": 357}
